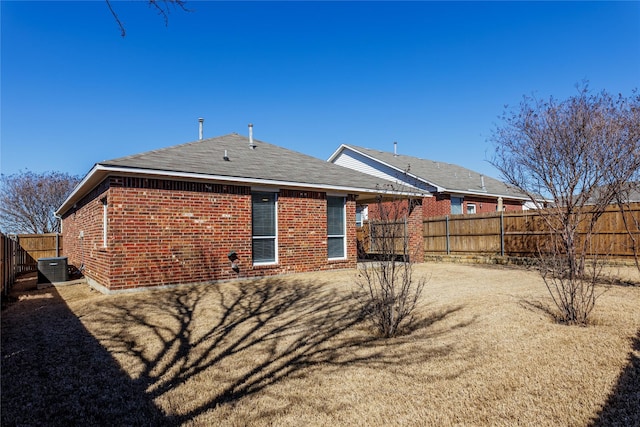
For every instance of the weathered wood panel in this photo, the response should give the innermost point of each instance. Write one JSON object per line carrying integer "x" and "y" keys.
{"x": 38, "y": 246}
{"x": 526, "y": 233}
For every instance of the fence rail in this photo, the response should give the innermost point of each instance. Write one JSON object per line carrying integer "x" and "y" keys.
{"x": 524, "y": 233}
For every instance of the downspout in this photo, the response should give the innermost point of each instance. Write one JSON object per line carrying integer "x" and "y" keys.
{"x": 59, "y": 218}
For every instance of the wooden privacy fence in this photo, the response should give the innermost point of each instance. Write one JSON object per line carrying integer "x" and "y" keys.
{"x": 40, "y": 246}
{"x": 9, "y": 249}
{"x": 524, "y": 233}
{"x": 20, "y": 254}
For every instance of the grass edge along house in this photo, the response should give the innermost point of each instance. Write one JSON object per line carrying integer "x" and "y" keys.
{"x": 214, "y": 209}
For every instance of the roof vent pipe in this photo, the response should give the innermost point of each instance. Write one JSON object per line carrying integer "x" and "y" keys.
{"x": 200, "y": 122}
{"x": 395, "y": 148}
{"x": 482, "y": 183}
{"x": 251, "y": 144}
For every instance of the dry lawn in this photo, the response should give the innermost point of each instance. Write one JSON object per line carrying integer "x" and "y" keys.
{"x": 292, "y": 351}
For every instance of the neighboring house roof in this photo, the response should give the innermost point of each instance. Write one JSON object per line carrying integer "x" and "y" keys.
{"x": 629, "y": 193}
{"x": 633, "y": 195}
{"x": 423, "y": 173}
{"x": 265, "y": 164}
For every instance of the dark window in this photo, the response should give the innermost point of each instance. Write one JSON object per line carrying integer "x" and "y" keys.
{"x": 456, "y": 205}
{"x": 264, "y": 228}
{"x": 335, "y": 227}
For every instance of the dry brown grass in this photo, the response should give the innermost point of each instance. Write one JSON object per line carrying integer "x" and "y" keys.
{"x": 291, "y": 351}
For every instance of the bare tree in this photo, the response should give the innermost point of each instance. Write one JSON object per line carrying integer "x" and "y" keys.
{"x": 579, "y": 153}
{"x": 28, "y": 201}
{"x": 162, "y": 7}
{"x": 386, "y": 285}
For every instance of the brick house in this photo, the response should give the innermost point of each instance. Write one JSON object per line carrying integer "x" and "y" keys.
{"x": 454, "y": 189}
{"x": 210, "y": 210}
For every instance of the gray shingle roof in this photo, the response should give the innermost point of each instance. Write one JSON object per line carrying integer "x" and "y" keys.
{"x": 446, "y": 176}
{"x": 265, "y": 162}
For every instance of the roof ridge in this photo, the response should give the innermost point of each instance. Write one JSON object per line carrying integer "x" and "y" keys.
{"x": 450, "y": 177}
{"x": 159, "y": 150}
{"x": 423, "y": 160}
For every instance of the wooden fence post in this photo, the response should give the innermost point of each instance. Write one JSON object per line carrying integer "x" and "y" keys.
{"x": 447, "y": 232}
{"x": 9, "y": 249}
{"x": 501, "y": 233}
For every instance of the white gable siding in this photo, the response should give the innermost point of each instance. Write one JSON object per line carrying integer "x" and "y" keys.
{"x": 360, "y": 163}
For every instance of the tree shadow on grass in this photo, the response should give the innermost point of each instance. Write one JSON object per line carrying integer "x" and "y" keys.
{"x": 623, "y": 406}
{"x": 201, "y": 347}
{"x": 118, "y": 360}
{"x": 542, "y": 308}
{"x": 55, "y": 373}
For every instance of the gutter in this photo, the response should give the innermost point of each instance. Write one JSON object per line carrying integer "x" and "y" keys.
{"x": 99, "y": 172}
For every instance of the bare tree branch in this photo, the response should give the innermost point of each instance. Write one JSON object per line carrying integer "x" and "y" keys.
{"x": 162, "y": 7}
{"x": 123, "y": 32}
{"x": 581, "y": 153}
{"x": 386, "y": 287}
{"x": 28, "y": 201}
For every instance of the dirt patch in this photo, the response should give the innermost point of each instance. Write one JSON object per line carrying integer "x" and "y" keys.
{"x": 293, "y": 350}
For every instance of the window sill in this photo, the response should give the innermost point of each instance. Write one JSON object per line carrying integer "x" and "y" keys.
{"x": 265, "y": 266}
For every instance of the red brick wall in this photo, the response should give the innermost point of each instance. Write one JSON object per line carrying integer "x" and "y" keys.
{"x": 440, "y": 204}
{"x": 160, "y": 237}
{"x": 394, "y": 210}
{"x": 352, "y": 238}
{"x": 510, "y": 206}
{"x": 486, "y": 205}
{"x": 302, "y": 229}
{"x": 302, "y": 232}
{"x": 182, "y": 233}
{"x": 87, "y": 252}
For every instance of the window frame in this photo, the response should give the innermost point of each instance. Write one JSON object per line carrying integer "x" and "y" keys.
{"x": 273, "y": 237}
{"x": 343, "y": 235}
{"x": 105, "y": 222}
{"x": 471, "y": 205}
{"x": 460, "y": 205}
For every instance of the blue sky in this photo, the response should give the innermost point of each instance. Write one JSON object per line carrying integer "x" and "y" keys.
{"x": 432, "y": 76}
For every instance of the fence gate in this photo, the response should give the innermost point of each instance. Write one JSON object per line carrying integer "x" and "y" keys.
{"x": 20, "y": 253}
{"x": 376, "y": 238}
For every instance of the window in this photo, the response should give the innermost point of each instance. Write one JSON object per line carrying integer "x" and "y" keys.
{"x": 361, "y": 215}
{"x": 456, "y": 205}
{"x": 105, "y": 220}
{"x": 471, "y": 208}
{"x": 336, "y": 227}
{"x": 264, "y": 228}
